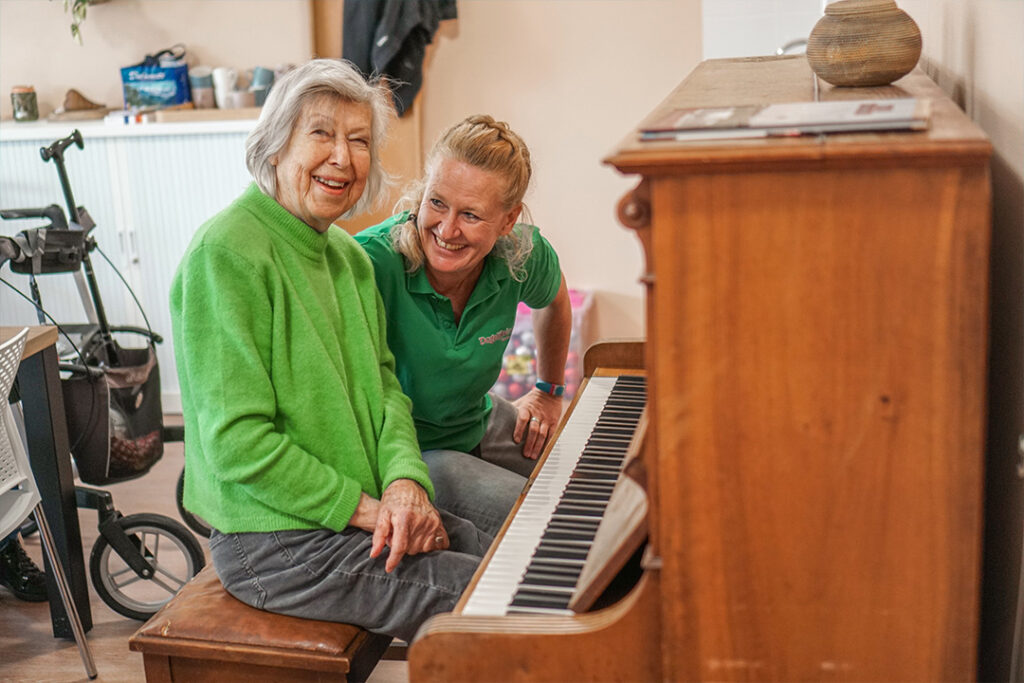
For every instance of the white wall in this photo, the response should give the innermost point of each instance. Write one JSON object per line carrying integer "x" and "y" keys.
{"x": 573, "y": 78}
{"x": 36, "y": 47}
{"x": 748, "y": 28}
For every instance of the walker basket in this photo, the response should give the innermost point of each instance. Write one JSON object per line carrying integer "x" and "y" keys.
{"x": 114, "y": 417}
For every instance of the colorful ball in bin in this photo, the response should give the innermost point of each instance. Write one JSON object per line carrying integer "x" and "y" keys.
{"x": 516, "y": 365}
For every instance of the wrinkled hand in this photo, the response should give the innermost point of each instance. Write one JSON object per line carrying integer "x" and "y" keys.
{"x": 547, "y": 410}
{"x": 407, "y": 523}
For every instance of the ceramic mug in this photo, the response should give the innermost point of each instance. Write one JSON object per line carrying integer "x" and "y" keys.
{"x": 261, "y": 76}
{"x": 225, "y": 82}
{"x": 203, "y": 98}
{"x": 200, "y": 77}
{"x": 240, "y": 99}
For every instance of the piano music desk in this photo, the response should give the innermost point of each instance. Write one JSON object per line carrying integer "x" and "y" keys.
{"x": 204, "y": 634}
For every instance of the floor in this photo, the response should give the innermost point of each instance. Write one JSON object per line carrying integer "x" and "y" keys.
{"x": 28, "y": 650}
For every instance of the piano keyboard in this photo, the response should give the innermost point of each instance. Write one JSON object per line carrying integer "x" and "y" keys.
{"x": 536, "y": 565}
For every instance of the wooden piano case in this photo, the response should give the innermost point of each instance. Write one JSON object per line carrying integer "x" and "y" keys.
{"x": 816, "y": 354}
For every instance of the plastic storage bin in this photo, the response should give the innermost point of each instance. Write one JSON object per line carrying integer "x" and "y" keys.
{"x": 519, "y": 365}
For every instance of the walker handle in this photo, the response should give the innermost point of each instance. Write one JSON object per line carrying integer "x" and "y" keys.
{"x": 56, "y": 149}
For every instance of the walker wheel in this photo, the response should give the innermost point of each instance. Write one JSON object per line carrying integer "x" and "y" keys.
{"x": 173, "y": 551}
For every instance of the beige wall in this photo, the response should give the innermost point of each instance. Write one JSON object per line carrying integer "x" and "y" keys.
{"x": 36, "y": 47}
{"x": 572, "y": 78}
{"x": 974, "y": 50}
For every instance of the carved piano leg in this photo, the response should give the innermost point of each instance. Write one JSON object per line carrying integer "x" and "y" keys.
{"x": 618, "y": 643}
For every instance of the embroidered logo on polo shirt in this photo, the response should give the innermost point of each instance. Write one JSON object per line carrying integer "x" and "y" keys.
{"x": 502, "y": 336}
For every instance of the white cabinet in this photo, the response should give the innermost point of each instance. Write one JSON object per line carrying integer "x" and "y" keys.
{"x": 147, "y": 187}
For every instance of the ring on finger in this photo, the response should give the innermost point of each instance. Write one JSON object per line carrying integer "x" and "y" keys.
{"x": 438, "y": 540}
{"x": 534, "y": 419}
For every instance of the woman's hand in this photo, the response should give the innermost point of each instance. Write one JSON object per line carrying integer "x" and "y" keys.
{"x": 407, "y": 523}
{"x": 365, "y": 516}
{"x": 538, "y": 415}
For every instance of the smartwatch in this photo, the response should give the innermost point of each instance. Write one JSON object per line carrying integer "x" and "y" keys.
{"x": 551, "y": 389}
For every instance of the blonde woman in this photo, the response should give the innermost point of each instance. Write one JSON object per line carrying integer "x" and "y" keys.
{"x": 452, "y": 270}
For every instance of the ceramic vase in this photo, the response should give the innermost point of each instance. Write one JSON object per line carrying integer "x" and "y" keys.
{"x": 863, "y": 43}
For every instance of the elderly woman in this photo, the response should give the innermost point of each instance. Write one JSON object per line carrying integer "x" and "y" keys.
{"x": 452, "y": 271}
{"x": 301, "y": 450}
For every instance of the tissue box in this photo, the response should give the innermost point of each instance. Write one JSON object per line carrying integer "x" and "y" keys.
{"x": 519, "y": 365}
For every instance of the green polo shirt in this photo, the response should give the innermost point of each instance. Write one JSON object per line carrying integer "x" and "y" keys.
{"x": 444, "y": 367}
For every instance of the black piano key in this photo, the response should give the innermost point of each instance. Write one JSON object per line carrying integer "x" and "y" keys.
{"x": 542, "y": 588}
{"x": 579, "y": 509}
{"x": 582, "y": 504}
{"x": 577, "y": 513}
{"x": 541, "y": 601}
{"x": 580, "y": 525}
{"x": 561, "y": 553}
{"x": 570, "y": 572}
{"x": 584, "y": 489}
{"x": 581, "y": 536}
{"x": 550, "y": 563}
{"x": 538, "y": 578}
{"x": 589, "y": 474}
{"x": 610, "y": 430}
{"x": 570, "y": 536}
{"x": 589, "y": 485}
{"x": 582, "y": 499}
{"x": 605, "y": 443}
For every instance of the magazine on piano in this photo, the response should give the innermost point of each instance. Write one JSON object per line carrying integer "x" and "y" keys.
{"x": 789, "y": 119}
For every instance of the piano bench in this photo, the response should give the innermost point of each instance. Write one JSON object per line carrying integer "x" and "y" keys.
{"x": 205, "y": 634}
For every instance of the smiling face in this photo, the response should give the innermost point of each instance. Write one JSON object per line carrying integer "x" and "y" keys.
{"x": 460, "y": 218}
{"x": 321, "y": 172}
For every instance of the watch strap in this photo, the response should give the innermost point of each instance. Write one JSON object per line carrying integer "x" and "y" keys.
{"x": 551, "y": 389}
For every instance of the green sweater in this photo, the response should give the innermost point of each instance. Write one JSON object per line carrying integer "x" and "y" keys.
{"x": 291, "y": 404}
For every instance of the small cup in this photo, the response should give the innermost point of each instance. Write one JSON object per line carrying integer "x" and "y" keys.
{"x": 261, "y": 76}
{"x": 240, "y": 99}
{"x": 24, "y": 103}
{"x": 225, "y": 82}
{"x": 203, "y": 98}
{"x": 200, "y": 77}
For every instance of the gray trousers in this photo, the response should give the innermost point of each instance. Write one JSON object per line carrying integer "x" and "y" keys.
{"x": 321, "y": 574}
{"x": 482, "y": 489}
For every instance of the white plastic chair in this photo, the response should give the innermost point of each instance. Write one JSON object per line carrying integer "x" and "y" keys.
{"x": 19, "y": 496}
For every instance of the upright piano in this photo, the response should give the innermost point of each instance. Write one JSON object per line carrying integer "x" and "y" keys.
{"x": 809, "y": 452}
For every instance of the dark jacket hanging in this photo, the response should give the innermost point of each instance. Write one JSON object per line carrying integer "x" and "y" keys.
{"x": 389, "y": 38}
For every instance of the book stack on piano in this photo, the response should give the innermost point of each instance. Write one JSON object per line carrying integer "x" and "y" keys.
{"x": 788, "y": 119}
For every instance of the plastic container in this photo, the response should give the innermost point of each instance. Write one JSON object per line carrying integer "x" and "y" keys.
{"x": 519, "y": 365}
